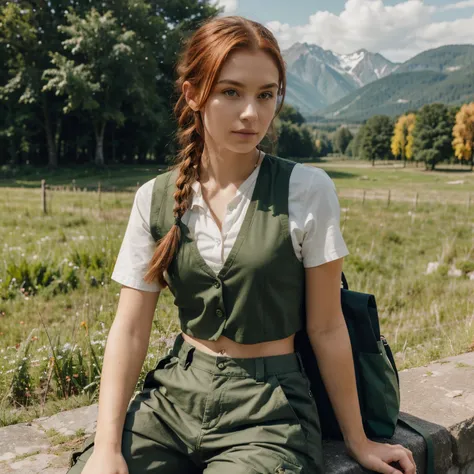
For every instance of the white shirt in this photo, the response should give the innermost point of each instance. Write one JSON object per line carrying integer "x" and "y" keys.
{"x": 314, "y": 216}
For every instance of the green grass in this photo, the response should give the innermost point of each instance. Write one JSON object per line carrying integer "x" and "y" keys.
{"x": 53, "y": 329}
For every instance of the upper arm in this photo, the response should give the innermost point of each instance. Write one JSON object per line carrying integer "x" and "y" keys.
{"x": 323, "y": 297}
{"x": 138, "y": 245}
{"x": 323, "y": 250}
{"x": 138, "y": 299}
{"x": 136, "y": 309}
{"x": 315, "y": 217}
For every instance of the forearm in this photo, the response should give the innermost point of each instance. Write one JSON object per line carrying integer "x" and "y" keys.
{"x": 334, "y": 355}
{"x": 123, "y": 360}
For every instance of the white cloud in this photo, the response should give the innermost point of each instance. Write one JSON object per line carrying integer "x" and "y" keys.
{"x": 230, "y": 6}
{"x": 398, "y": 32}
{"x": 457, "y": 6}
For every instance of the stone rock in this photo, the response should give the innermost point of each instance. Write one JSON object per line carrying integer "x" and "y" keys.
{"x": 69, "y": 422}
{"x": 21, "y": 439}
{"x": 38, "y": 463}
{"x": 428, "y": 401}
{"x": 471, "y": 276}
{"x": 454, "y": 393}
{"x": 432, "y": 267}
{"x": 454, "y": 272}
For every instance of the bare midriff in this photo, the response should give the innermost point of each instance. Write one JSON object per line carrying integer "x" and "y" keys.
{"x": 229, "y": 348}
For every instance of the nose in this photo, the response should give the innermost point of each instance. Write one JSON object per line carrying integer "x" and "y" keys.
{"x": 249, "y": 111}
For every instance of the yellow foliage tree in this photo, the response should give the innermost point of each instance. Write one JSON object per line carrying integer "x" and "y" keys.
{"x": 411, "y": 126}
{"x": 463, "y": 133}
{"x": 402, "y": 139}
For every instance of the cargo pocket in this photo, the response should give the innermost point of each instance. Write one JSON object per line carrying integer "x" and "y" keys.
{"x": 294, "y": 391}
{"x": 164, "y": 363}
{"x": 87, "y": 445}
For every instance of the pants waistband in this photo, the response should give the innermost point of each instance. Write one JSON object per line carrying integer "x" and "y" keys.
{"x": 256, "y": 367}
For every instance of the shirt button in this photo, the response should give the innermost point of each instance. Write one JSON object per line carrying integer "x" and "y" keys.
{"x": 219, "y": 313}
{"x": 221, "y": 365}
{"x": 217, "y": 284}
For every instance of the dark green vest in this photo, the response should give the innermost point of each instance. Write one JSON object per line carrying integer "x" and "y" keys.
{"x": 258, "y": 295}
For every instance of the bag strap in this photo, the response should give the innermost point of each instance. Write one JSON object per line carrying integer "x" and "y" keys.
{"x": 344, "y": 281}
{"x": 426, "y": 436}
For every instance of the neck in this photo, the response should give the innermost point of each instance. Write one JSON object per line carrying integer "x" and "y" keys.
{"x": 224, "y": 168}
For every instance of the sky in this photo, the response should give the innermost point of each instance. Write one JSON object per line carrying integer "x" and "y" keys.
{"x": 396, "y": 29}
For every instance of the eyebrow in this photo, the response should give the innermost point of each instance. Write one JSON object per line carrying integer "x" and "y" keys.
{"x": 237, "y": 83}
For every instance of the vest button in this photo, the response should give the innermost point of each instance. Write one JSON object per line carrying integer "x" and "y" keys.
{"x": 219, "y": 313}
{"x": 221, "y": 365}
{"x": 217, "y": 284}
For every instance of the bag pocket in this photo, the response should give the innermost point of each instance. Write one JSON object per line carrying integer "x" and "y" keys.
{"x": 380, "y": 393}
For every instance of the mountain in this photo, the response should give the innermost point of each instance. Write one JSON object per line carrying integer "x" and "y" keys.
{"x": 317, "y": 77}
{"x": 444, "y": 74}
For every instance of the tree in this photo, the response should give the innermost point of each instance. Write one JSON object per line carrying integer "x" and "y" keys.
{"x": 342, "y": 138}
{"x": 34, "y": 126}
{"x": 356, "y": 143}
{"x": 322, "y": 144}
{"x": 432, "y": 134}
{"x": 289, "y": 113}
{"x": 402, "y": 138}
{"x": 375, "y": 140}
{"x": 108, "y": 68}
{"x": 28, "y": 33}
{"x": 295, "y": 141}
{"x": 463, "y": 133}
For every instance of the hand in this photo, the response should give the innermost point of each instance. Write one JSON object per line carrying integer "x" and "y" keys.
{"x": 377, "y": 456}
{"x": 105, "y": 462}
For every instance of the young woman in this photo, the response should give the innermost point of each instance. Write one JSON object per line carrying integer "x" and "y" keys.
{"x": 251, "y": 249}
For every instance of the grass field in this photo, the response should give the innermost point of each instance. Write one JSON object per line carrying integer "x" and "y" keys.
{"x": 53, "y": 328}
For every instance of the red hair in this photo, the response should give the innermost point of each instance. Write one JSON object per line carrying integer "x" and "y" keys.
{"x": 201, "y": 62}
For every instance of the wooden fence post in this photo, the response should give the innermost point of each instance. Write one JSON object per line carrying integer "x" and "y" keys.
{"x": 416, "y": 200}
{"x": 469, "y": 201}
{"x": 363, "y": 197}
{"x": 43, "y": 196}
{"x": 388, "y": 198}
{"x": 74, "y": 185}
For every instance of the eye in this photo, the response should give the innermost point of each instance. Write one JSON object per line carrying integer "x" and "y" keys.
{"x": 269, "y": 95}
{"x": 226, "y": 92}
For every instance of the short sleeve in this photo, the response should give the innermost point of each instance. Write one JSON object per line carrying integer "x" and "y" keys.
{"x": 322, "y": 239}
{"x": 138, "y": 244}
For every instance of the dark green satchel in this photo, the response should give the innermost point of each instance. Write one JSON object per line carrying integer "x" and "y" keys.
{"x": 375, "y": 370}
{"x": 376, "y": 374}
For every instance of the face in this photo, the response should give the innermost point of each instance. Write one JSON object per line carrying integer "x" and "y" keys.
{"x": 242, "y": 103}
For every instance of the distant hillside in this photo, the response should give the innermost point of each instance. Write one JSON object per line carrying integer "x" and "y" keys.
{"x": 444, "y": 59}
{"x": 444, "y": 74}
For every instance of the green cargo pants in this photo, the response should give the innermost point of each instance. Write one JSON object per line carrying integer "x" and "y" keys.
{"x": 199, "y": 413}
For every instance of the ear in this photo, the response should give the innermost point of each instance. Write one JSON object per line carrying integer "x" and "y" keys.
{"x": 190, "y": 95}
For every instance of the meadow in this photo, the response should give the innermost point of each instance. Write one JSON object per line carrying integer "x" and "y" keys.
{"x": 54, "y": 325}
